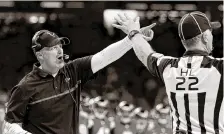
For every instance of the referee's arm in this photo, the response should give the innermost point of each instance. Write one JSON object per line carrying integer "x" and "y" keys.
{"x": 141, "y": 48}
{"x": 155, "y": 62}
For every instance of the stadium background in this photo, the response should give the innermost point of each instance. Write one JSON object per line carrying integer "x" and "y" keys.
{"x": 88, "y": 25}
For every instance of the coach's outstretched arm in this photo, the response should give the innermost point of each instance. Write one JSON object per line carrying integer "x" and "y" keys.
{"x": 141, "y": 47}
{"x": 116, "y": 50}
{"x": 110, "y": 54}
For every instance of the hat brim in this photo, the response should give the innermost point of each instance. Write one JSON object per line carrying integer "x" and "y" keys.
{"x": 215, "y": 25}
{"x": 61, "y": 40}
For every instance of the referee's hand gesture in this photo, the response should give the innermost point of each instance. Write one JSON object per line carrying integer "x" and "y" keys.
{"x": 147, "y": 32}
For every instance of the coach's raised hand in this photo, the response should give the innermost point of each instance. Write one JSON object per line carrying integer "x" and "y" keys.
{"x": 140, "y": 45}
{"x": 126, "y": 23}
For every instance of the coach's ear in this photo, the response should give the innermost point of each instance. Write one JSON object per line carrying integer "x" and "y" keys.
{"x": 39, "y": 55}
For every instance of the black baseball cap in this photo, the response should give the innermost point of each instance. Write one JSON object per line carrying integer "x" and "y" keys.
{"x": 46, "y": 38}
{"x": 195, "y": 23}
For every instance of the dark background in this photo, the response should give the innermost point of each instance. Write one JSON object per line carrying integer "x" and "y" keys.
{"x": 83, "y": 22}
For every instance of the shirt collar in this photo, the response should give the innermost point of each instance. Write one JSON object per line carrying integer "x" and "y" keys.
{"x": 196, "y": 53}
{"x": 41, "y": 72}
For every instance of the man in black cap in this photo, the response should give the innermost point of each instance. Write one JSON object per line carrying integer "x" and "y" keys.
{"x": 194, "y": 82}
{"x": 47, "y": 99}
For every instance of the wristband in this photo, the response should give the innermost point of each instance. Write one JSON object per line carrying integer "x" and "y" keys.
{"x": 133, "y": 33}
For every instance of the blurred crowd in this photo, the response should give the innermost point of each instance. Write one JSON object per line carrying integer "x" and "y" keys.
{"x": 126, "y": 80}
{"x": 101, "y": 116}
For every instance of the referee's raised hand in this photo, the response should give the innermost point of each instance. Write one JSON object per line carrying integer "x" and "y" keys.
{"x": 147, "y": 32}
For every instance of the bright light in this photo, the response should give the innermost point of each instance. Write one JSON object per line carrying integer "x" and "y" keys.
{"x": 141, "y": 14}
{"x": 139, "y": 6}
{"x": 42, "y": 19}
{"x": 182, "y": 13}
{"x": 163, "y": 13}
{"x": 220, "y": 7}
{"x": 173, "y": 14}
{"x": 75, "y": 5}
{"x": 161, "y": 7}
{"x": 110, "y": 14}
{"x": 7, "y": 4}
{"x": 51, "y": 4}
{"x": 152, "y": 14}
{"x": 33, "y": 19}
{"x": 187, "y": 7}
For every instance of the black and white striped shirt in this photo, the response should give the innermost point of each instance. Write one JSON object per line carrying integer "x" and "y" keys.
{"x": 194, "y": 85}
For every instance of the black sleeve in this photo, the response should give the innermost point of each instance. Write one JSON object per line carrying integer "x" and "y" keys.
{"x": 17, "y": 104}
{"x": 80, "y": 69}
{"x": 218, "y": 64}
{"x": 156, "y": 63}
{"x": 152, "y": 64}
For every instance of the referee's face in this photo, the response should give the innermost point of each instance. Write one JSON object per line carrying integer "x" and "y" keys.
{"x": 52, "y": 58}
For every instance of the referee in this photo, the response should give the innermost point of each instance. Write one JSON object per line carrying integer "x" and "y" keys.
{"x": 194, "y": 82}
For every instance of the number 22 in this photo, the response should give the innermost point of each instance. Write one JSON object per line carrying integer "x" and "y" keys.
{"x": 184, "y": 80}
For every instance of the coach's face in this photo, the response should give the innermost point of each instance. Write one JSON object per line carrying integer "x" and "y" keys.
{"x": 51, "y": 58}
